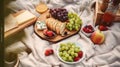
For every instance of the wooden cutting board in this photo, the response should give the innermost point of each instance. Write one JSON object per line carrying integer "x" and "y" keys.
{"x": 57, "y": 38}
{"x": 20, "y": 27}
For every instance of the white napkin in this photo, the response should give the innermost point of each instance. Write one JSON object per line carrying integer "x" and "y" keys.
{"x": 106, "y": 55}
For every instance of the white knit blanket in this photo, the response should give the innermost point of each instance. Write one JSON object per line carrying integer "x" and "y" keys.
{"x": 105, "y": 55}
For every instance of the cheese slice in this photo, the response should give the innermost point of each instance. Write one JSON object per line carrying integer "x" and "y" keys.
{"x": 41, "y": 25}
{"x": 10, "y": 23}
{"x": 24, "y": 17}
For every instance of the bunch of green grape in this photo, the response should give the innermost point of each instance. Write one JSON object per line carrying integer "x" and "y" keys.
{"x": 68, "y": 51}
{"x": 74, "y": 22}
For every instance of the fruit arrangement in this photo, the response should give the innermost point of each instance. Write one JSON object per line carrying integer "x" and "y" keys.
{"x": 48, "y": 33}
{"x": 48, "y": 52}
{"x": 58, "y": 24}
{"x": 69, "y": 52}
{"x": 59, "y": 13}
{"x": 74, "y": 22}
{"x": 88, "y": 29}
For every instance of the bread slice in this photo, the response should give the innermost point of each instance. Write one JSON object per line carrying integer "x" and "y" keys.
{"x": 57, "y": 28}
{"x": 62, "y": 28}
{"x": 54, "y": 25}
{"x": 48, "y": 21}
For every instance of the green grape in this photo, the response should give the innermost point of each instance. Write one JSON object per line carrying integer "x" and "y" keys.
{"x": 72, "y": 49}
{"x": 77, "y": 50}
{"x": 63, "y": 47}
{"x": 65, "y": 52}
{"x": 70, "y": 29}
{"x": 72, "y": 53}
{"x": 76, "y": 27}
{"x": 72, "y": 56}
{"x": 73, "y": 46}
{"x": 60, "y": 49}
{"x": 66, "y": 48}
{"x": 70, "y": 59}
{"x": 75, "y": 54}
{"x": 66, "y": 55}
{"x": 75, "y": 21}
{"x": 71, "y": 22}
{"x": 61, "y": 54}
{"x": 64, "y": 58}
{"x": 70, "y": 25}
{"x": 69, "y": 52}
{"x": 69, "y": 46}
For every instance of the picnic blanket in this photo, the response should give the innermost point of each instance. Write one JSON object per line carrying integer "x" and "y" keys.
{"x": 105, "y": 55}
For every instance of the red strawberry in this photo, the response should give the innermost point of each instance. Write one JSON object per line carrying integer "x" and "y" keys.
{"x": 76, "y": 58}
{"x": 90, "y": 27}
{"x": 49, "y": 33}
{"x": 45, "y": 31}
{"x": 80, "y": 54}
{"x": 83, "y": 29}
{"x": 51, "y": 51}
{"x": 48, "y": 52}
{"x": 89, "y": 31}
{"x": 102, "y": 27}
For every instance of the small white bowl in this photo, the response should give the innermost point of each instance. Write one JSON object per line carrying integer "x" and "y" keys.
{"x": 87, "y": 34}
{"x": 77, "y": 44}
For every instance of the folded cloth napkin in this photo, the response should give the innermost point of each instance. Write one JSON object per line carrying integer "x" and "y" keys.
{"x": 105, "y": 55}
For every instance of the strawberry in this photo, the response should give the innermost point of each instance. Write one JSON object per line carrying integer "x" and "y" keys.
{"x": 45, "y": 31}
{"x": 50, "y": 33}
{"x": 48, "y": 52}
{"x": 80, "y": 54}
{"x": 84, "y": 29}
{"x": 102, "y": 28}
{"x": 51, "y": 51}
{"x": 76, "y": 58}
{"x": 90, "y": 27}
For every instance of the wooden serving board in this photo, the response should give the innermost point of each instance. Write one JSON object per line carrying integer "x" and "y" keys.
{"x": 57, "y": 38}
{"x": 20, "y": 27}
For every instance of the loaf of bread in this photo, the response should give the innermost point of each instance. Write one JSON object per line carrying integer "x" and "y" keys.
{"x": 55, "y": 25}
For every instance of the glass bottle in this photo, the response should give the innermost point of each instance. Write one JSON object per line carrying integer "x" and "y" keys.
{"x": 104, "y": 5}
{"x": 110, "y": 12}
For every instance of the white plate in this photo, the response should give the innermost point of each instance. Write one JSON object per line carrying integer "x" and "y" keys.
{"x": 77, "y": 44}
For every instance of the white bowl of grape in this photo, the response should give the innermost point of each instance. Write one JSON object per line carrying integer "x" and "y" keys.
{"x": 70, "y": 52}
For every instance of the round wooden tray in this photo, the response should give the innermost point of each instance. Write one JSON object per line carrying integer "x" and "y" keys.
{"x": 57, "y": 38}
